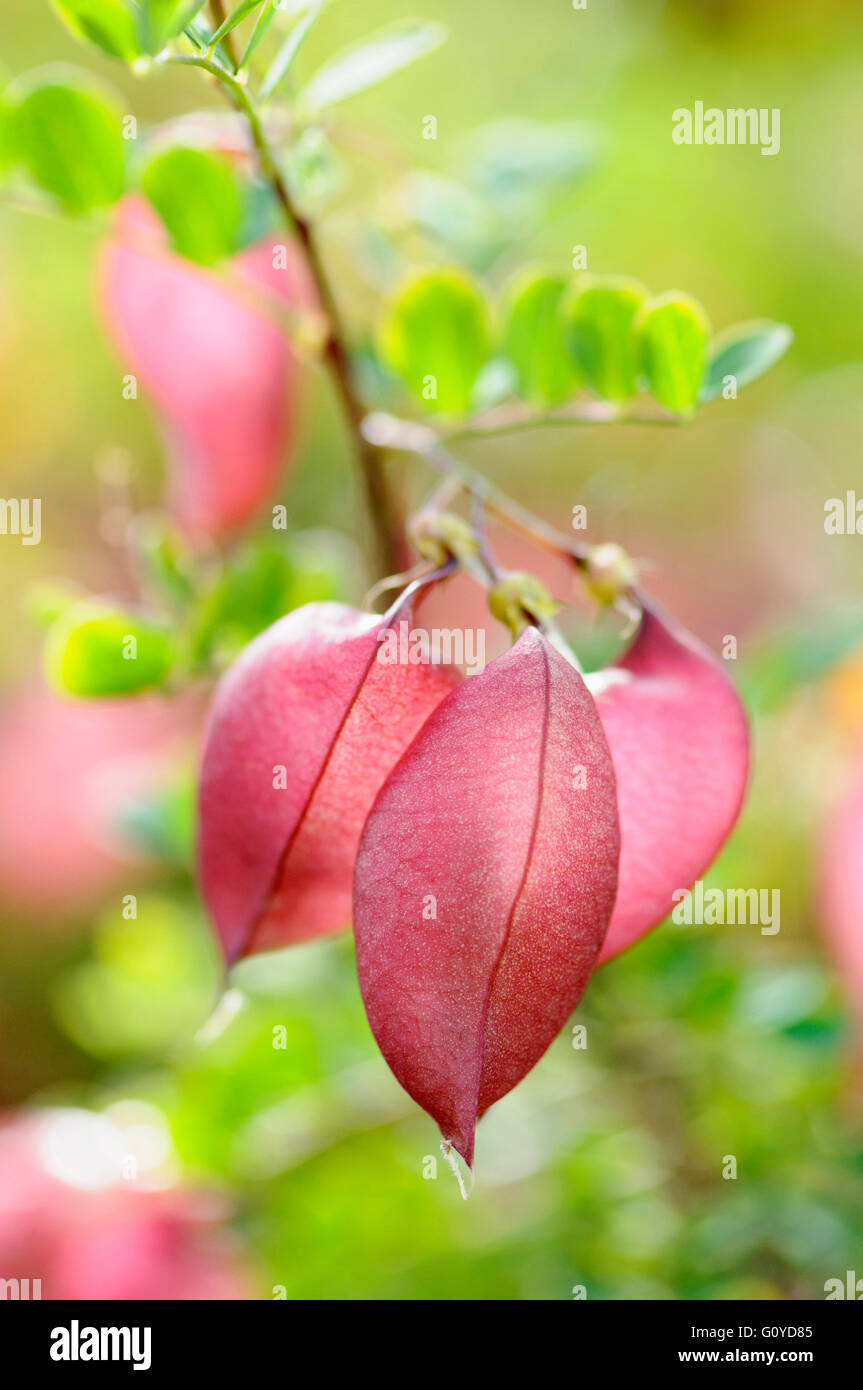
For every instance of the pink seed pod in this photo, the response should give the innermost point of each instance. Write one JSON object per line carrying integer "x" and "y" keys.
{"x": 303, "y": 730}
{"x": 62, "y": 847}
{"x": 679, "y": 741}
{"x": 207, "y": 350}
{"x": 484, "y": 884}
{"x": 840, "y": 896}
{"x": 71, "y": 1219}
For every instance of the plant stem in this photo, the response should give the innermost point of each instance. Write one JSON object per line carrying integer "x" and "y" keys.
{"x": 516, "y": 421}
{"x": 388, "y": 432}
{"x": 381, "y": 502}
{"x": 374, "y": 435}
{"x": 217, "y": 10}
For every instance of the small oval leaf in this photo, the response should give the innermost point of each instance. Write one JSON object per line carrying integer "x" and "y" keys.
{"x": 599, "y": 312}
{"x": 198, "y": 199}
{"x": 744, "y": 352}
{"x": 672, "y": 331}
{"x": 93, "y": 650}
{"x": 436, "y": 338}
{"x": 535, "y": 341}
{"x": 108, "y": 25}
{"x": 69, "y": 136}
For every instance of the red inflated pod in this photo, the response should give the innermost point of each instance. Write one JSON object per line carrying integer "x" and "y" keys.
{"x": 840, "y": 897}
{"x": 207, "y": 349}
{"x": 484, "y": 884}
{"x": 114, "y": 1238}
{"x": 679, "y": 741}
{"x": 64, "y": 844}
{"x": 303, "y": 731}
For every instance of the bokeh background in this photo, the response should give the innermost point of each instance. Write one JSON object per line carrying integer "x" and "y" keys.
{"x": 146, "y": 1133}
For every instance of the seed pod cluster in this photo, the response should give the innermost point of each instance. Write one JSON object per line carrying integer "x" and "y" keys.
{"x": 500, "y": 835}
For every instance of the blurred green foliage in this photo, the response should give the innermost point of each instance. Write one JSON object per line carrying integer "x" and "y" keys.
{"x": 197, "y": 197}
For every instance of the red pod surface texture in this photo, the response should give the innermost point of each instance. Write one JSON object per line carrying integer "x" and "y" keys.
{"x": 484, "y": 884}
{"x": 303, "y": 730}
{"x": 679, "y": 741}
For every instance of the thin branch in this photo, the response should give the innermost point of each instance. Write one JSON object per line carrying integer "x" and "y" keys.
{"x": 382, "y": 505}
{"x": 219, "y": 14}
{"x": 486, "y": 555}
{"x": 404, "y": 436}
{"x": 516, "y": 420}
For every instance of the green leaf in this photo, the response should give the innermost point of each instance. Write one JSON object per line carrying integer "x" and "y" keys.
{"x": 163, "y": 823}
{"x": 69, "y": 137}
{"x": 106, "y": 24}
{"x": 260, "y": 582}
{"x": 198, "y": 34}
{"x": 673, "y": 331}
{"x": 250, "y": 594}
{"x": 794, "y": 656}
{"x": 598, "y": 312}
{"x": 436, "y": 338}
{"x": 745, "y": 352}
{"x": 281, "y": 64}
{"x": 367, "y": 63}
{"x": 164, "y": 557}
{"x": 460, "y": 226}
{"x": 515, "y": 161}
{"x": 260, "y": 31}
{"x": 496, "y": 383}
{"x": 198, "y": 199}
{"x": 534, "y": 338}
{"x": 95, "y": 650}
{"x": 8, "y": 153}
{"x": 163, "y": 20}
{"x": 234, "y": 18}
{"x": 313, "y": 171}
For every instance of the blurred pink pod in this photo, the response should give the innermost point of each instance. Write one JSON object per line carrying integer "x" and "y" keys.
{"x": 72, "y": 1219}
{"x": 840, "y": 892}
{"x": 303, "y": 730}
{"x": 679, "y": 742}
{"x": 484, "y": 884}
{"x": 207, "y": 348}
{"x": 69, "y": 769}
